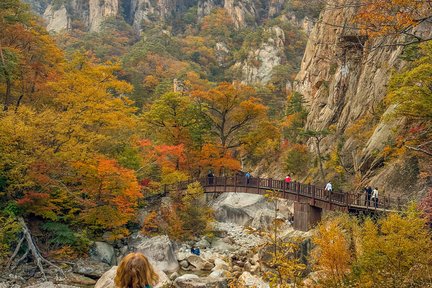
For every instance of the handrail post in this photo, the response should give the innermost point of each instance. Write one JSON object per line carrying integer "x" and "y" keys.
{"x": 330, "y": 199}
{"x": 270, "y": 180}
{"x": 313, "y": 194}
{"x": 257, "y": 185}
{"x": 225, "y": 183}
{"x": 298, "y": 190}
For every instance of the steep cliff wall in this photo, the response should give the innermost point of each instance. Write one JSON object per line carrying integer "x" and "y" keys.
{"x": 344, "y": 80}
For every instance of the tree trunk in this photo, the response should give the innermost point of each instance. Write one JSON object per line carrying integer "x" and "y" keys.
{"x": 8, "y": 82}
{"x": 319, "y": 158}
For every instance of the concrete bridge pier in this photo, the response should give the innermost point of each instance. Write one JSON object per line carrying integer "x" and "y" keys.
{"x": 306, "y": 216}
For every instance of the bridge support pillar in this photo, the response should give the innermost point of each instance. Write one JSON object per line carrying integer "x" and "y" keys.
{"x": 306, "y": 216}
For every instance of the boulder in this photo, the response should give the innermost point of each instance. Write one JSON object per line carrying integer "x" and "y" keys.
{"x": 218, "y": 273}
{"x": 80, "y": 279}
{"x": 90, "y": 268}
{"x": 248, "y": 280}
{"x": 220, "y": 245}
{"x": 242, "y": 209}
{"x": 107, "y": 279}
{"x": 193, "y": 281}
{"x": 220, "y": 265}
{"x": 202, "y": 244}
{"x": 51, "y": 285}
{"x": 159, "y": 249}
{"x": 199, "y": 263}
{"x": 103, "y": 252}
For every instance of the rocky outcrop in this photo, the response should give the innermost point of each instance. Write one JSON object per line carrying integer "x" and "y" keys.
{"x": 159, "y": 249}
{"x": 57, "y": 20}
{"x": 344, "y": 77}
{"x": 107, "y": 280}
{"x": 103, "y": 252}
{"x": 99, "y": 10}
{"x": 249, "y": 209}
{"x": 258, "y": 67}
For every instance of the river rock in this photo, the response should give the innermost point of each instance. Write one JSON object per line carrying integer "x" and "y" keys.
{"x": 80, "y": 279}
{"x": 218, "y": 273}
{"x": 199, "y": 263}
{"x": 90, "y": 268}
{"x": 51, "y": 285}
{"x": 220, "y": 264}
{"x": 249, "y": 280}
{"x": 159, "y": 249}
{"x": 202, "y": 244}
{"x": 103, "y": 252}
{"x": 193, "y": 281}
{"x": 107, "y": 279}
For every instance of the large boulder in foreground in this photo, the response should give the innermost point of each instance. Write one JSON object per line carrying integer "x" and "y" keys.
{"x": 158, "y": 249}
{"x": 107, "y": 280}
{"x": 50, "y": 285}
{"x": 193, "y": 281}
{"x": 249, "y": 209}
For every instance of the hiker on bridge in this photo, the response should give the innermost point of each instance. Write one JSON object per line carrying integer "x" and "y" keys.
{"x": 210, "y": 177}
{"x": 248, "y": 176}
{"x": 328, "y": 188}
{"x": 368, "y": 194}
{"x": 287, "y": 181}
{"x": 375, "y": 197}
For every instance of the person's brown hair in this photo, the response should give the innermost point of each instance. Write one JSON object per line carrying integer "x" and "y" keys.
{"x": 135, "y": 271}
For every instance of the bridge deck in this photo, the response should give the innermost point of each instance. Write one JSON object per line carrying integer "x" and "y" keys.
{"x": 294, "y": 191}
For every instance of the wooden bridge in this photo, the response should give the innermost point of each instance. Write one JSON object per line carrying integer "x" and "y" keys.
{"x": 309, "y": 200}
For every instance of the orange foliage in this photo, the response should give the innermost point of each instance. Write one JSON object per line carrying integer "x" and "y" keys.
{"x": 391, "y": 17}
{"x": 113, "y": 192}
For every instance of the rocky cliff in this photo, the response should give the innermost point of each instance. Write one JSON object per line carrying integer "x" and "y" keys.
{"x": 343, "y": 79}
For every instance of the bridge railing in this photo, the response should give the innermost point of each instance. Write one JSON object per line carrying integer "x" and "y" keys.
{"x": 311, "y": 191}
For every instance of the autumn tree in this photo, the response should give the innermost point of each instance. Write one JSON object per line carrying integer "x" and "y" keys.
{"x": 395, "y": 251}
{"x": 28, "y": 56}
{"x": 394, "y": 18}
{"x": 284, "y": 265}
{"x": 332, "y": 253}
{"x": 232, "y": 111}
{"x": 187, "y": 215}
{"x": 317, "y": 136}
{"x": 174, "y": 119}
{"x": 411, "y": 93}
{"x": 110, "y": 196}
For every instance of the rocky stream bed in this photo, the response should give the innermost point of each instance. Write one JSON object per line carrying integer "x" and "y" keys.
{"x": 231, "y": 252}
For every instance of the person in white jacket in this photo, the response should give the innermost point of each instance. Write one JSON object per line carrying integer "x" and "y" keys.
{"x": 329, "y": 189}
{"x": 375, "y": 197}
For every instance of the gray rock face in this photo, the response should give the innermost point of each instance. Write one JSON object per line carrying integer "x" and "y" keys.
{"x": 90, "y": 268}
{"x": 57, "y": 20}
{"x": 342, "y": 81}
{"x": 159, "y": 249}
{"x": 193, "y": 281}
{"x": 247, "y": 209}
{"x": 103, "y": 252}
{"x": 258, "y": 67}
{"x": 107, "y": 280}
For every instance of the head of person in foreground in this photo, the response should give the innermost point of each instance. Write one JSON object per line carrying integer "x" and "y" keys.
{"x": 135, "y": 271}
